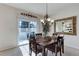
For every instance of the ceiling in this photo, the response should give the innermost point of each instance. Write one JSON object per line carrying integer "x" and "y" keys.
{"x": 40, "y": 8}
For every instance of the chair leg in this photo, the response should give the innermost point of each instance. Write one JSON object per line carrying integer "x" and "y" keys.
{"x": 56, "y": 54}
{"x": 60, "y": 52}
{"x": 55, "y": 50}
{"x": 46, "y": 52}
{"x": 35, "y": 54}
{"x": 63, "y": 47}
{"x": 30, "y": 52}
{"x": 36, "y": 50}
{"x": 52, "y": 52}
{"x": 30, "y": 49}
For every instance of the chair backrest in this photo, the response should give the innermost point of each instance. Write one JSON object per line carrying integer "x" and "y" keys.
{"x": 32, "y": 42}
{"x": 38, "y": 35}
{"x": 32, "y": 35}
{"x": 58, "y": 34}
{"x": 32, "y": 39}
{"x": 60, "y": 37}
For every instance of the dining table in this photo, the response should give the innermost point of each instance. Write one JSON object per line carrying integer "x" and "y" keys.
{"x": 44, "y": 42}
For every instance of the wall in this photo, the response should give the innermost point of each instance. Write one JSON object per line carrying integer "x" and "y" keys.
{"x": 9, "y": 18}
{"x": 29, "y": 19}
{"x": 8, "y": 27}
{"x": 71, "y": 41}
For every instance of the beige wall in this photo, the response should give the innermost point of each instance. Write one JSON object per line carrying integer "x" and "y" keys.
{"x": 71, "y": 41}
{"x": 9, "y": 18}
{"x": 8, "y": 27}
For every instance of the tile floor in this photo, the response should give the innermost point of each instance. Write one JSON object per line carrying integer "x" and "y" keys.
{"x": 24, "y": 51}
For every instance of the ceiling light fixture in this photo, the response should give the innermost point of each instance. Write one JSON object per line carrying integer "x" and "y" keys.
{"x": 46, "y": 17}
{"x": 46, "y": 22}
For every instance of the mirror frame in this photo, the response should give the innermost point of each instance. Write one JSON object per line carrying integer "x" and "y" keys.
{"x": 73, "y": 18}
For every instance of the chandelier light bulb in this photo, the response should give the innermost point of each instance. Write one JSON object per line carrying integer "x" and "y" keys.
{"x": 52, "y": 21}
{"x": 48, "y": 19}
{"x": 42, "y": 20}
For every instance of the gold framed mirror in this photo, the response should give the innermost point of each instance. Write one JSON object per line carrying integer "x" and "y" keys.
{"x": 66, "y": 25}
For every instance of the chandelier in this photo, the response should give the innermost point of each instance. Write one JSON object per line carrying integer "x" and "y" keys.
{"x": 46, "y": 22}
{"x": 46, "y": 18}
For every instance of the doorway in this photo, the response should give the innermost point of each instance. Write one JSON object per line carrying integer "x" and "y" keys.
{"x": 25, "y": 29}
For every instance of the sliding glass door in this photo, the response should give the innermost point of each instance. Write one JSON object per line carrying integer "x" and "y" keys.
{"x": 25, "y": 29}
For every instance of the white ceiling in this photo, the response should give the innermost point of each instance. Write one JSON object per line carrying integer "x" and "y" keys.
{"x": 40, "y": 8}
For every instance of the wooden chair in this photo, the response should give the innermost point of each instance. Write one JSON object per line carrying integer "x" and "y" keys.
{"x": 60, "y": 38}
{"x": 58, "y": 46}
{"x": 34, "y": 47}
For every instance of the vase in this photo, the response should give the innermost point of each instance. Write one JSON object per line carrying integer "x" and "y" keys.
{"x": 45, "y": 34}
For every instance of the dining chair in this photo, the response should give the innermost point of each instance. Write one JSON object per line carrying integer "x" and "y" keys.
{"x": 60, "y": 38}
{"x": 34, "y": 47}
{"x": 57, "y": 46}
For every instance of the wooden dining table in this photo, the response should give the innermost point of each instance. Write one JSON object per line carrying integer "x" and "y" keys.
{"x": 44, "y": 43}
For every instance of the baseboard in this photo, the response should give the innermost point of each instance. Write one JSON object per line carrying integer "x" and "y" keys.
{"x": 12, "y": 47}
{"x": 71, "y": 47}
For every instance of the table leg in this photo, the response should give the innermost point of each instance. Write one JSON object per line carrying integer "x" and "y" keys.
{"x": 30, "y": 50}
{"x": 43, "y": 51}
{"x": 63, "y": 46}
{"x": 36, "y": 50}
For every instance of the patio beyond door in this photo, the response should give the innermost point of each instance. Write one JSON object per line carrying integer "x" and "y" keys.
{"x": 25, "y": 29}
